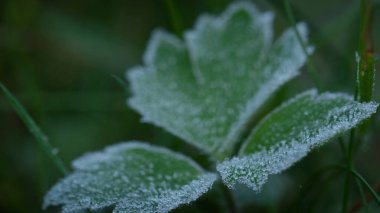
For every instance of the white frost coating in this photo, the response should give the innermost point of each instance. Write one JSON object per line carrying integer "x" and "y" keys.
{"x": 264, "y": 20}
{"x": 171, "y": 199}
{"x": 220, "y": 21}
{"x": 111, "y": 152}
{"x": 159, "y": 35}
{"x": 205, "y": 90}
{"x": 283, "y": 75}
{"x": 133, "y": 177}
{"x": 273, "y": 147}
{"x": 254, "y": 170}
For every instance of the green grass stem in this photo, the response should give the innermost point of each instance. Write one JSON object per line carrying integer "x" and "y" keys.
{"x": 40, "y": 137}
{"x": 311, "y": 68}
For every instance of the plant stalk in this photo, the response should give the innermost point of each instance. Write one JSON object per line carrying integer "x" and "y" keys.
{"x": 366, "y": 184}
{"x": 229, "y": 199}
{"x": 40, "y": 137}
{"x": 363, "y": 86}
{"x": 311, "y": 68}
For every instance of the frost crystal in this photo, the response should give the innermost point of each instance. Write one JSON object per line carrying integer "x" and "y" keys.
{"x": 207, "y": 88}
{"x": 132, "y": 176}
{"x": 290, "y": 132}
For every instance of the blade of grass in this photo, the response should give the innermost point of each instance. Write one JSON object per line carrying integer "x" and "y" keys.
{"x": 364, "y": 84}
{"x": 350, "y": 166}
{"x": 229, "y": 199}
{"x": 363, "y": 203}
{"x": 311, "y": 68}
{"x": 41, "y": 139}
{"x": 365, "y": 57}
{"x": 366, "y": 75}
{"x": 122, "y": 83}
{"x": 317, "y": 179}
{"x": 361, "y": 192}
{"x": 360, "y": 178}
{"x": 365, "y": 44}
{"x": 366, "y": 184}
{"x": 346, "y": 192}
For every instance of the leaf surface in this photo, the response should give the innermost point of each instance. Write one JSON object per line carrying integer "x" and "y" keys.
{"x": 290, "y": 132}
{"x": 207, "y": 88}
{"x": 134, "y": 177}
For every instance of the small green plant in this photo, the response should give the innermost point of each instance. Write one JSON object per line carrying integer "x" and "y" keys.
{"x": 207, "y": 90}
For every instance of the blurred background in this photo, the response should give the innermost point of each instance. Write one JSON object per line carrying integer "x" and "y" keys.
{"x": 62, "y": 59}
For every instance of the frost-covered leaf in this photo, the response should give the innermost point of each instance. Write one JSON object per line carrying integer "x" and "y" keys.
{"x": 134, "y": 177}
{"x": 290, "y": 132}
{"x": 207, "y": 88}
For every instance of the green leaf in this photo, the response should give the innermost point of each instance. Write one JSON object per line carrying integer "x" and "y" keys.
{"x": 206, "y": 90}
{"x": 134, "y": 177}
{"x": 290, "y": 132}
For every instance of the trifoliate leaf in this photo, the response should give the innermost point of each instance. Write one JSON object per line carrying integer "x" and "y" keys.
{"x": 290, "y": 132}
{"x": 134, "y": 177}
{"x": 206, "y": 89}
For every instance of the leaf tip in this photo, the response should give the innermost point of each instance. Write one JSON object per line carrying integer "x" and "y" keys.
{"x": 158, "y": 36}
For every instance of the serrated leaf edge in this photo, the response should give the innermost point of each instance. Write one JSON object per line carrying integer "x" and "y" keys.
{"x": 108, "y": 153}
{"x": 296, "y": 154}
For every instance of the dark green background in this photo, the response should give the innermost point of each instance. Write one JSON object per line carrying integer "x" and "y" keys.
{"x": 58, "y": 57}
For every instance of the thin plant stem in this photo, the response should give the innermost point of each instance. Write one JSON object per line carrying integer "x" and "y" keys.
{"x": 361, "y": 91}
{"x": 368, "y": 197}
{"x": 229, "y": 199}
{"x": 311, "y": 68}
{"x": 360, "y": 178}
{"x": 366, "y": 60}
{"x": 342, "y": 146}
{"x": 40, "y": 137}
{"x": 312, "y": 182}
{"x": 346, "y": 192}
{"x": 361, "y": 192}
{"x": 347, "y": 181}
{"x": 122, "y": 83}
{"x": 366, "y": 184}
{"x": 362, "y": 181}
